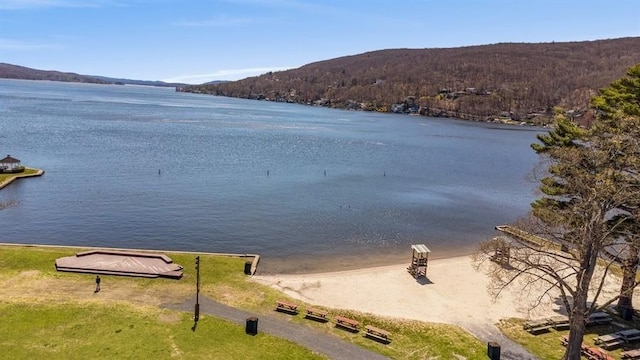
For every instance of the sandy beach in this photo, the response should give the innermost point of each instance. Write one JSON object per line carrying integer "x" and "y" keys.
{"x": 454, "y": 293}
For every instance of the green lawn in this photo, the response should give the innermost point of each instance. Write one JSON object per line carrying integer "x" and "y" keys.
{"x": 121, "y": 331}
{"x": 51, "y": 314}
{"x": 6, "y": 177}
{"x": 547, "y": 345}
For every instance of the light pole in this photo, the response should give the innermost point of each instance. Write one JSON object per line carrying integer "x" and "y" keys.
{"x": 197, "y": 310}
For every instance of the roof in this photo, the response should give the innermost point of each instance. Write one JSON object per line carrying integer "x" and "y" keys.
{"x": 9, "y": 160}
{"x": 421, "y": 248}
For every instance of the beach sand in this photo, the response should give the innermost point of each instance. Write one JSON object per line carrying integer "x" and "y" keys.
{"x": 454, "y": 293}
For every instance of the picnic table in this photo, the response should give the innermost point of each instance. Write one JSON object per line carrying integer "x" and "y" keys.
{"x": 631, "y": 354}
{"x": 599, "y": 318}
{"x": 316, "y": 314}
{"x": 347, "y": 323}
{"x": 559, "y": 322}
{"x": 286, "y": 307}
{"x": 591, "y": 353}
{"x": 629, "y": 335}
{"x": 377, "y": 333}
{"x": 609, "y": 341}
{"x": 537, "y": 326}
{"x": 595, "y": 353}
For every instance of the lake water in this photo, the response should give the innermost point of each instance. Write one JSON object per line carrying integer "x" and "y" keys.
{"x": 308, "y": 188}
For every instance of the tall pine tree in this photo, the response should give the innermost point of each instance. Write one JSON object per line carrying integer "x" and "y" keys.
{"x": 617, "y": 130}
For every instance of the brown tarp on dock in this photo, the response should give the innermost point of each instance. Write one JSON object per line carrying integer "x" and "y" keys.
{"x": 108, "y": 262}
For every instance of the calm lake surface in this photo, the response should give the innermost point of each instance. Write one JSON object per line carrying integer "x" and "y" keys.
{"x": 308, "y": 188}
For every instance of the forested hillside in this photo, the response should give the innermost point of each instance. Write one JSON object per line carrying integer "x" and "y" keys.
{"x": 8, "y": 71}
{"x": 516, "y": 81}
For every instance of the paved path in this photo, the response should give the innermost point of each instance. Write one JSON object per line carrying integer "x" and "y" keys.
{"x": 331, "y": 346}
{"x": 509, "y": 349}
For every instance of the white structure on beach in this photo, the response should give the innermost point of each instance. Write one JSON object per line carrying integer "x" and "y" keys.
{"x": 419, "y": 259}
{"x": 9, "y": 164}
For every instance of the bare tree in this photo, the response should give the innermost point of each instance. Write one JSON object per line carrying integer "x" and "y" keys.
{"x": 581, "y": 194}
{"x": 618, "y": 130}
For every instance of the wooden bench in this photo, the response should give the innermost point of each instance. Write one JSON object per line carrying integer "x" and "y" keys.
{"x": 347, "y": 323}
{"x": 286, "y": 307}
{"x": 316, "y": 314}
{"x": 377, "y": 334}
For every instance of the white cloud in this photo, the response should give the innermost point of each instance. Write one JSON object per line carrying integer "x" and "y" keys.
{"x": 15, "y": 45}
{"x": 235, "y": 74}
{"x": 46, "y": 4}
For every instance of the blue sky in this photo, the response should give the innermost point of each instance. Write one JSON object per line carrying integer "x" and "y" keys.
{"x": 198, "y": 41}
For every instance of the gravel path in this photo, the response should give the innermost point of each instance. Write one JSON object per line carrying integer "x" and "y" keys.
{"x": 331, "y": 346}
{"x": 509, "y": 349}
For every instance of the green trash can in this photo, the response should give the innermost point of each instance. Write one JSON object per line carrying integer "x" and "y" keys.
{"x": 252, "y": 326}
{"x": 247, "y": 268}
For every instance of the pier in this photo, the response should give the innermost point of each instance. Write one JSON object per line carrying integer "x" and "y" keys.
{"x": 531, "y": 239}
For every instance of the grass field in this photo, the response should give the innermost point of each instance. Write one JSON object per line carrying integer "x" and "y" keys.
{"x": 48, "y": 314}
{"x": 8, "y": 177}
{"x": 121, "y": 331}
{"x": 547, "y": 345}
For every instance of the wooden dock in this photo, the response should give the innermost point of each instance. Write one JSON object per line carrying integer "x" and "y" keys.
{"x": 109, "y": 262}
{"x": 531, "y": 239}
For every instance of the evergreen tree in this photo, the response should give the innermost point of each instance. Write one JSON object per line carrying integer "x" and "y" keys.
{"x": 590, "y": 208}
{"x": 579, "y": 194}
{"x": 618, "y": 131}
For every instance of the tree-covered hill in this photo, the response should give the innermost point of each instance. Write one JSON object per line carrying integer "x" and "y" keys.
{"x": 518, "y": 81}
{"x": 8, "y": 71}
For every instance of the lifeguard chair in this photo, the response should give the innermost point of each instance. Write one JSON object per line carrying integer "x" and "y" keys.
{"x": 420, "y": 257}
{"x": 502, "y": 251}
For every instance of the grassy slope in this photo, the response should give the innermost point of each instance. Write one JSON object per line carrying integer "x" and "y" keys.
{"x": 119, "y": 331}
{"x": 547, "y": 345}
{"x": 125, "y": 317}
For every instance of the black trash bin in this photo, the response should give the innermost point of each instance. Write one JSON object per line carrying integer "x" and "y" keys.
{"x": 247, "y": 268}
{"x": 252, "y": 326}
{"x": 626, "y": 312}
{"x": 493, "y": 350}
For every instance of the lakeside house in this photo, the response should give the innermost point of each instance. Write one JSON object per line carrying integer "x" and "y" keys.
{"x": 10, "y": 164}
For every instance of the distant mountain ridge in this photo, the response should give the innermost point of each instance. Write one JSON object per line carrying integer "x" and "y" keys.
{"x": 500, "y": 82}
{"x": 137, "y": 82}
{"x": 510, "y": 81}
{"x": 9, "y": 71}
